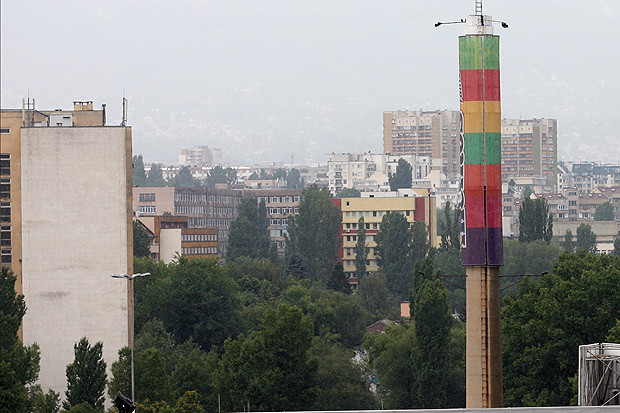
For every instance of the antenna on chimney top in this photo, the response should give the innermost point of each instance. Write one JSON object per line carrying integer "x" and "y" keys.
{"x": 477, "y": 22}
{"x": 124, "y": 121}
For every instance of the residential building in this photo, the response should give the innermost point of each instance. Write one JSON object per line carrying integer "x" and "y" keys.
{"x": 200, "y": 156}
{"x": 586, "y": 176}
{"x": 281, "y": 204}
{"x": 530, "y": 148}
{"x": 370, "y": 172}
{"x": 171, "y": 237}
{"x": 414, "y": 205}
{"x": 66, "y": 226}
{"x": 431, "y": 134}
{"x": 606, "y": 232}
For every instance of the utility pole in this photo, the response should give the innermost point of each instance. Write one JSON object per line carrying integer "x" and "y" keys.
{"x": 482, "y": 244}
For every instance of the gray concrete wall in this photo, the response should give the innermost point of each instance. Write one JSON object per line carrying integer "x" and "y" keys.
{"x": 75, "y": 234}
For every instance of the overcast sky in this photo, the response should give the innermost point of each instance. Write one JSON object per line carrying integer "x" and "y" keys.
{"x": 274, "y": 80}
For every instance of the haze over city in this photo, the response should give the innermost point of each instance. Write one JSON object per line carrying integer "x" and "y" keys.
{"x": 271, "y": 81}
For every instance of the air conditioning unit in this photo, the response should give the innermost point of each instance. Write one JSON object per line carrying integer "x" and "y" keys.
{"x": 348, "y": 230}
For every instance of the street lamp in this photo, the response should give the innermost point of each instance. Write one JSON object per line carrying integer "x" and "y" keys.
{"x": 131, "y": 278}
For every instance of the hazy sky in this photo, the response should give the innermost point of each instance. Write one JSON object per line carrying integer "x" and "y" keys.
{"x": 271, "y": 80}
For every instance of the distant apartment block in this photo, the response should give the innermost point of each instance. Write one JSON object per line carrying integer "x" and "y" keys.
{"x": 66, "y": 226}
{"x": 413, "y": 205}
{"x": 586, "y": 176}
{"x": 200, "y": 156}
{"x": 431, "y": 134}
{"x": 530, "y": 148}
{"x": 170, "y": 237}
{"x": 370, "y": 172}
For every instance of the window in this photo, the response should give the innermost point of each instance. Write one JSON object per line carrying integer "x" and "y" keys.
{"x": 146, "y": 209}
{"x": 5, "y": 164}
{"x": 147, "y": 197}
{"x": 6, "y": 256}
{"x": 5, "y": 131}
{"x": 5, "y": 212}
{"x": 5, "y": 188}
{"x": 5, "y": 235}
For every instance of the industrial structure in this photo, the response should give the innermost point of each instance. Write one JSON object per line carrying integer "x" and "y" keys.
{"x": 482, "y": 200}
{"x": 599, "y": 375}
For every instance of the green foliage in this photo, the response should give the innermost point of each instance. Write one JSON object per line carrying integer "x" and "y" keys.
{"x": 219, "y": 175}
{"x": 314, "y": 233}
{"x": 294, "y": 180}
{"x": 616, "y": 250}
{"x": 189, "y": 403}
{"x": 569, "y": 243}
{"x": 546, "y": 320}
{"x": 84, "y": 408}
{"x": 19, "y": 365}
{"x": 586, "y": 238}
{"x": 86, "y": 376}
{"x": 393, "y": 243}
{"x": 535, "y": 220}
{"x": 156, "y": 176}
{"x": 193, "y": 298}
{"x": 376, "y": 297}
{"x": 420, "y": 245}
{"x": 449, "y": 227}
{"x": 527, "y": 192}
{"x": 139, "y": 176}
{"x": 604, "y": 212}
{"x": 121, "y": 374}
{"x": 348, "y": 193}
{"x": 341, "y": 383}
{"x": 185, "y": 179}
{"x": 248, "y": 235}
{"x": 153, "y": 382}
{"x": 141, "y": 241}
{"x": 271, "y": 368}
{"x": 338, "y": 281}
{"x": 614, "y": 333}
{"x": 402, "y": 178}
{"x": 43, "y": 402}
{"x": 361, "y": 251}
{"x": 529, "y": 258}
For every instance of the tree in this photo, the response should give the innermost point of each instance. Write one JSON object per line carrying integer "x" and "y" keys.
{"x": 248, "y": 234}
{"x": 192, "y": 298}
{"x": 420, "y": 244}
{"x": 152, "y": 380}
{"x": 314, "y": 233}
{"x": 604, "y": 212}
{"x": 546, "y": 320}
{"x": 139, "y": 176}
{"x": 527, "y": 192}
{"x": 141, "y": 241}
{"x": 616, "y": 250}
{"x": 432, "y": 323}
{"x": 184, "y": 178}
{"x": 586, "y": 238}
{"x": 376, "y": 297}
{"x": 402, "y": 178}
{"x": 535, "y": 221}
{"x": 527, "y": 258}
{"x": 449, "y": 227}
{"x": 121, "y": 374}
{"x": 393, "y": 244}
{"x": 219, "y": 175}
{"x": 156, "y": 176}
{"x": 349, "y": 193}
{"x": 361, "y": 251}
{"x": 43, "y": 402}
{"x": 338, "y": 280}
{"x": 86, "y": 376}
{"x": 293, "y": 179}
{"x": 19, "y": 365}
{"x": 569, "y": 244}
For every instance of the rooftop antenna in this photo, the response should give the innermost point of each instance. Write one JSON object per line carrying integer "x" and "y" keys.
{"x": 124, "y": 121}
{"x": 477, "y": 19}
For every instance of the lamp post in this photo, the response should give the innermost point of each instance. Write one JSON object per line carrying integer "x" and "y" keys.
{"x": 130, "y": 278}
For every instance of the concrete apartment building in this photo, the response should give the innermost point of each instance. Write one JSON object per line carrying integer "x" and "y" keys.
{"x": 200, "y": 156}
{"x": 530, "y": 148}
{"x": 432, "y": 134}
{"x": 414, "y": 205}
{"x": 66, "y": 226}
{"x": 204, "y": 207}
{"x": 171, "y": 237}
{"x": 370, "y": 172}
{"x": 587, "y": 176}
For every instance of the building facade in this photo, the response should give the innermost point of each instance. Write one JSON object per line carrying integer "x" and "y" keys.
{"x": 432, "y": 134}
{"x": 372, "y": 208}
{"x": 200, "y": 156}
{"x": 66, "y": 226}
{"x": 530, "y": 148}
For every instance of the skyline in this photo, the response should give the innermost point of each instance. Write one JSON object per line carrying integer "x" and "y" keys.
{"x": 265, "y": 81}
